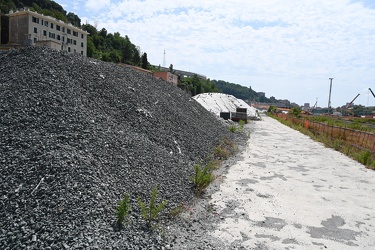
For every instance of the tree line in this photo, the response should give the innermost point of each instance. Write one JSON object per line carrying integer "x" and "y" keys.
{"x": 242, "y": 92}
{"x": 114, "y": 48}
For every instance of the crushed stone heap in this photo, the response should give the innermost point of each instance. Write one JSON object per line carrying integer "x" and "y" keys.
{"x": 76, "y": 135}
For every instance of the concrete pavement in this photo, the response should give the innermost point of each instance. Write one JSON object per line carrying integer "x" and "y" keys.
{"x": 290, "y": 192}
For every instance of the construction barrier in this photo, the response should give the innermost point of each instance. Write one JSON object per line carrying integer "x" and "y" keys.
{"x": 356, "y": 138}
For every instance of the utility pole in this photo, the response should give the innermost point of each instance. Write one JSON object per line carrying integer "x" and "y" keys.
{"x": 329, "y": 98}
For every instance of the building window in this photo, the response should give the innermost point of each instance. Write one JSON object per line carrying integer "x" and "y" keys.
{"x": 63, "y": 29}
{"x": 81, "y": 52}
{"x": 35, "y": 30}
{"x": 58, "y": 27}
{"x": 44, "y": 33}
{"x": 68, "y": 40}
{"x": 58, "y": 37}
{"x": 51, "y": 35}
{"x": 63, "y": 38}
{"x": 34, "y": 39}
{"x": 75, "y": 33}
{"x": 82, "y": 36}
{"x": 35, "y": 19}
{"x": 69, "y": 31}
{"x": 51, "y": 25}
{"x": 68, "y": 49}
{"x": 82, "y": 45}
{"x": 46, "y": 23}
{"x": 74, "y": 42}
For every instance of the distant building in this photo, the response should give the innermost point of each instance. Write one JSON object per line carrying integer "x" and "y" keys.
{"x": 28, "y": 28}
{"x": 167, "y": 76}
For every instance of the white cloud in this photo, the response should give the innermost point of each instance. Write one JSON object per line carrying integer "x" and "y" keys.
{"x": 266, "y": 43}
{"x": 96, "y": 5}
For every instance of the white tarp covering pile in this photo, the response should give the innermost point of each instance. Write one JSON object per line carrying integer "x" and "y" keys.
{"x": 218, "y": 102}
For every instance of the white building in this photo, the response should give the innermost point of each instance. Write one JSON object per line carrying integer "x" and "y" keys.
{"x": 31, "y": 28}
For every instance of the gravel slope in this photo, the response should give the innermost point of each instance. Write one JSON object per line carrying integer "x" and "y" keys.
{"x": 76, "y": 135}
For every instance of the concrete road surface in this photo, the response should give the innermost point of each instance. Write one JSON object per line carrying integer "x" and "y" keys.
{"x": 290, "y": 192}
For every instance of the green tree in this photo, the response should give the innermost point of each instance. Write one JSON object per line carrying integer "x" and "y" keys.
{"x": 136, "y": 55}
{"x": 144, "y": 61}
{"x": 90, "y": 29}
{"x": 103, "y": 33}
{"x": 74, "y": 19}
{"x": 91, "y": 50}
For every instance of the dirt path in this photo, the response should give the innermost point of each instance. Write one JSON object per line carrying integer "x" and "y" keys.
{"x": 289, "y": 192}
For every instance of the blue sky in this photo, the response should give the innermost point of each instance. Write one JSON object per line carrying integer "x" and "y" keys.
{"x": 286, "y": 48}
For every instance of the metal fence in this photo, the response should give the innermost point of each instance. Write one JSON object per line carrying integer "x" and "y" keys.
{"x": 356, "y": 138}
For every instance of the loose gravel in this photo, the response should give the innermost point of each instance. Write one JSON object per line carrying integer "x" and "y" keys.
{"x": 76, "y": 135}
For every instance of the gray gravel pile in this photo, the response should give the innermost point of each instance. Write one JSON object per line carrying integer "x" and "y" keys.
{"x": 76, "y": 135}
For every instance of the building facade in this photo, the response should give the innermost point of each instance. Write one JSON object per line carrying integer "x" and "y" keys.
{"x": 167, "y": 76}
{"x": 30, "y": 28}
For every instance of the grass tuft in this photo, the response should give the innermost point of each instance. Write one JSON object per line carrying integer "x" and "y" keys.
{"x": 151, "y": 212}
{"x": 122, "y": 210}
{"x": 202, "y": 178}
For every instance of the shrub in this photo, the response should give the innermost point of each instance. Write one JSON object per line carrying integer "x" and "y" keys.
{"x": 272, "y": 109}
{"x": 365, "y": 157}
{"x": 123, "y": 209}
{"x": 296, "y": 112}
{"x": 151, "y": 212}
{"x": 202, "y": 178}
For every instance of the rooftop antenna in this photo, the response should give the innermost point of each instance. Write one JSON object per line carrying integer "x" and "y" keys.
{"x": 329, "y": 98}
{"x": 164, "y": 61}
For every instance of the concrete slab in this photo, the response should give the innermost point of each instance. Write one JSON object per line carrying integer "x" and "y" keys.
{"x": 290, "y": 192}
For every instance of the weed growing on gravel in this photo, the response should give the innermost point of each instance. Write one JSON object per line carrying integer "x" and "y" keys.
{"x": 239, "y": 127}
{"x": 232, "y": 128}
{"x": 123, "y": 209}
{"x": 221, "y": 152}
{"x": 202, "y": 178}
{"x": 228, "y": 142}
{"x": 151, "y": 212}
{"x": 214, "y": 164}
{"x": 241, "y": 123}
